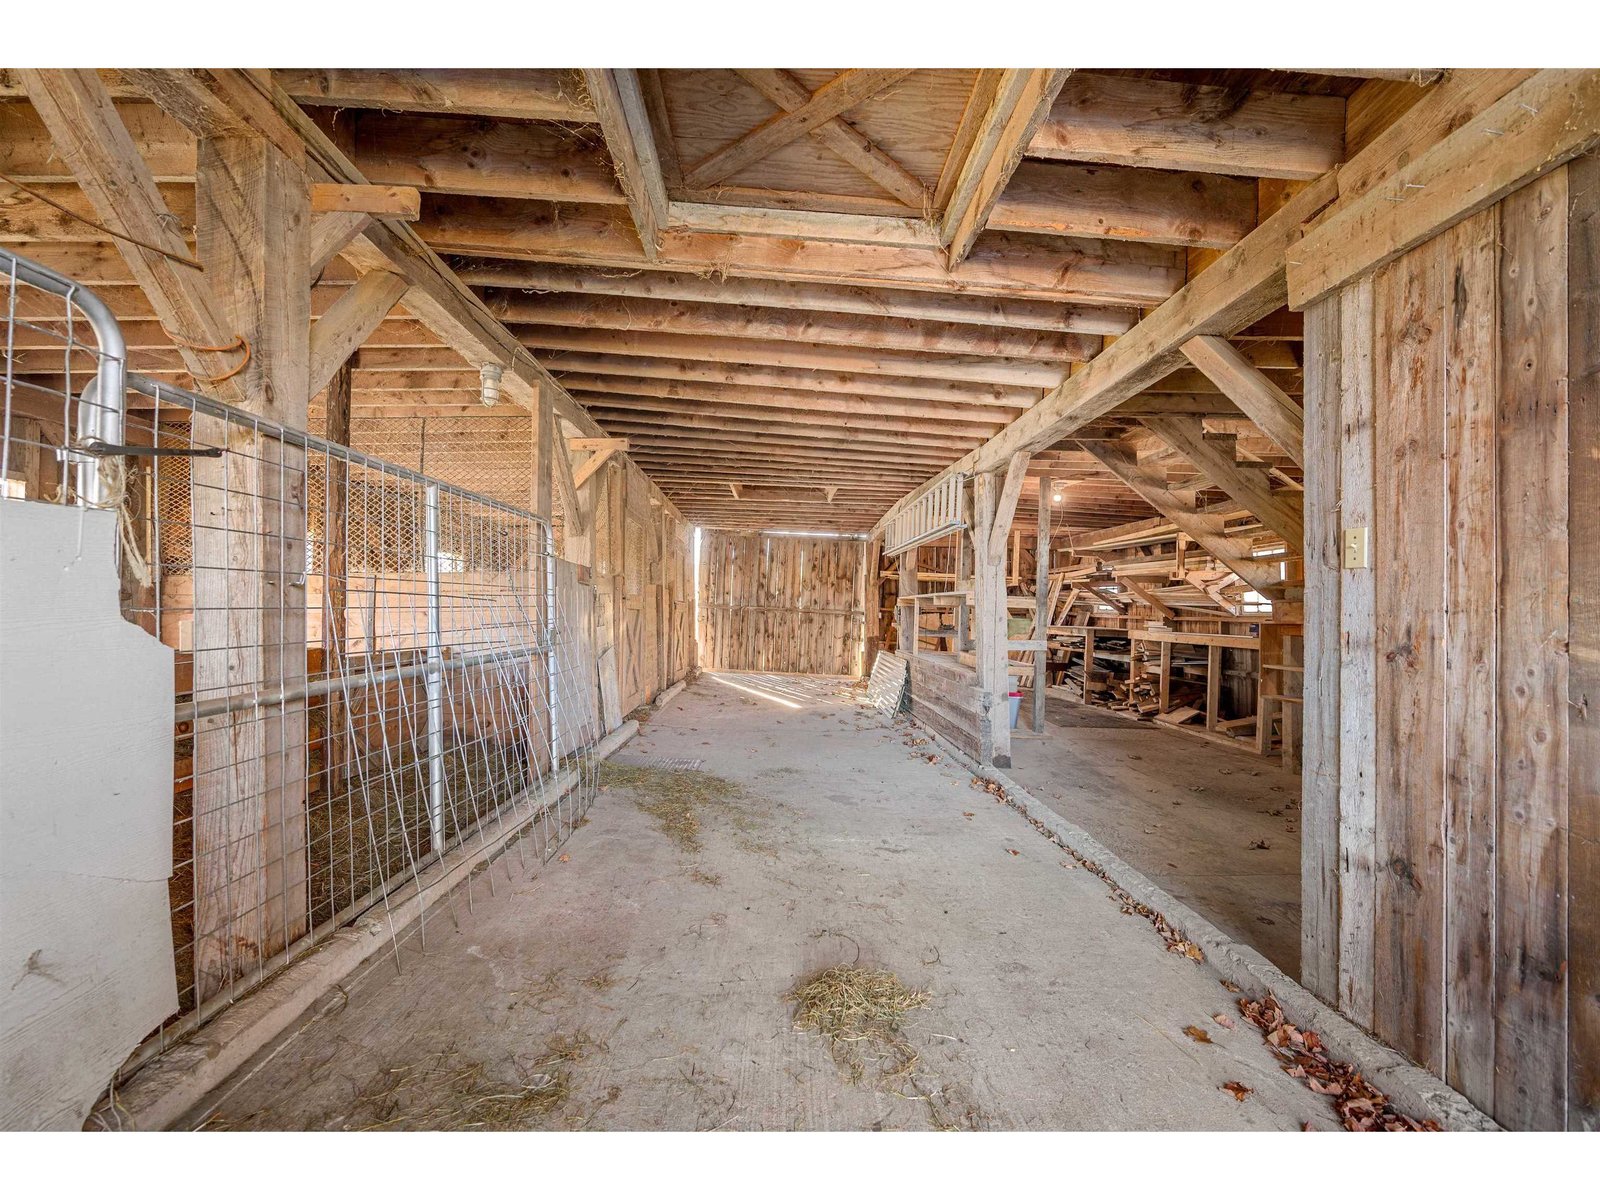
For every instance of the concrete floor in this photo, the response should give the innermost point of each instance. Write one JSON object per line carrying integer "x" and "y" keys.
{"x": 663, "y": 973}
{"x": 1215, "y": 827}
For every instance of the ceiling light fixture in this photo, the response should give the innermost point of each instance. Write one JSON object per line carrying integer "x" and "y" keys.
{"x": 489, "y": 383}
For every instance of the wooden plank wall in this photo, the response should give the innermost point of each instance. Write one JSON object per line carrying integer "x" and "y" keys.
{"x": 1452, "y": 802}
{"x": 770, "y": 602}
{"x": 643, "y": 573}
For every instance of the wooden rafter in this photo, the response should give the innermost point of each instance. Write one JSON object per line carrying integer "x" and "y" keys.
{"x": 1021, "y": 102}
{"x": 1205, "y": 528}
{"x": 1279, "y": 511}
{"x": 1243, "y": 286}
{"x": 800, "y": 297}
{"x": 1264, "y": 402}
{"x": 619, "y": 104}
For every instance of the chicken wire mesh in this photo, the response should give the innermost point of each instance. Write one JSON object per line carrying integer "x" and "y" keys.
{"x": 372, "y": 670}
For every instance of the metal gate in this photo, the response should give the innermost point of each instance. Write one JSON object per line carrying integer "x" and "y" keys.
{"x": 371, "y": 663}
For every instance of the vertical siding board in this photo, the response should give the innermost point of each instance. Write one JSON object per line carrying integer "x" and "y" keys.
{"x": 1583, "y": 684}
{"x": 1471, "y": 390}
{"x": 1530, "y": 975}
{"x": 1319, "y": 858}
{"x": 1408, "y": 554}
{"x": 1357, "y": 683}
{"x": 781, "y": 604}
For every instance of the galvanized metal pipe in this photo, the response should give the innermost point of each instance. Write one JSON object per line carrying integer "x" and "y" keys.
{"x": 430, "y": 553}
{"x": 103, "y": 402}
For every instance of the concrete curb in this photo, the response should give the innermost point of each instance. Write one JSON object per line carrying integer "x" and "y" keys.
{"x": 172, "y": 1083}
{"x": 1415, "y": 1091}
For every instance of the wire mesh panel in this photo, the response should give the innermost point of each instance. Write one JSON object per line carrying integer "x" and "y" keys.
{"x": 372, "y": 670}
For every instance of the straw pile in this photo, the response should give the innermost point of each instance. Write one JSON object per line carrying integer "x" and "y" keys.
{"x": 859, "y": 1009}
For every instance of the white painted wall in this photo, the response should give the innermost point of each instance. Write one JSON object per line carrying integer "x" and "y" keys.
{"x": 86, "y": 701}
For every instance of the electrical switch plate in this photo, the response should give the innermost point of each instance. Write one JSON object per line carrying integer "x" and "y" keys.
{"x": 1357, "y": 549}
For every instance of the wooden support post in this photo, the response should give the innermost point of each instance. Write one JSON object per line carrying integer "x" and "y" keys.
{"x": 994, "y": 505}
{"x": 905, "y": 614}
{"x": 1088, "y": 659}
{"x": 1164, "y": 687}
{"x": 872, "y": 602}
{"x": 546, "y": 448}
{"x": 1213, "y": 685}
{"x": 1041, "y": 608}
{"x": 249, "y": 513}
{"x": 336, "y": 576}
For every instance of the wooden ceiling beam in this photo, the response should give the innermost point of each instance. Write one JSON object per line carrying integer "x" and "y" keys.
{"x": 550, "y": 340}
{"x": 949, "y": 429}
{"x": 1182, "y": 127}
{"x": 1021, "y": 101}
{"x": 453, "y": 154}
{"x": 642, "y": 432}
{"x": 834, "y": 98}
{"x": 728, "y": 320}
{"x": 1183, "y": 208}
{"x": 1008, "y": 265}
{"x": 799, "y": 401}
{"x": 851, "y": 383}
{"x": 619, "y": 104}
{"x": 522, "y": 94}
{"x": 1046, "y": 316}
{"x": 844, "y": 432}
{"x": 842, "y": 139}
{"x": 743, "y": 220}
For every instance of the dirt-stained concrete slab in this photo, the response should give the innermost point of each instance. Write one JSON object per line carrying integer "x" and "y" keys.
{"x": 1216, "y": 827}
{"x": 640, "y": 980}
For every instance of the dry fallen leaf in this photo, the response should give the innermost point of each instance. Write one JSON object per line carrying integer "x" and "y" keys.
{"x": 1232, "y": 987}
{"x": 969, "y": 816}
{"x": 1237, "y": 1090}
{"x": 1196, "y": 1033}
{"x": 1011, "y": 851}
{"x": 566, "y": 858}
{"x": 1223, "y": 1019}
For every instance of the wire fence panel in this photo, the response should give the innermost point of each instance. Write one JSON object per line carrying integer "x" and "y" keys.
{"x": 372, "y": 667}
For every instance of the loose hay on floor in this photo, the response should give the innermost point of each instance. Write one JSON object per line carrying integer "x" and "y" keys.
{"x": 448, "y": 1092}
{"x": 672, "y": 798}
{"x": 858, "y": 1009}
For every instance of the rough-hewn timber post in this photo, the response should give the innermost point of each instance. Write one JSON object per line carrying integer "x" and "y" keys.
{"x": 988, "y": 624}
{"x": 1041, "y": 614}
{"x": 249, "y": 513}
{"x": 904, "y": 614}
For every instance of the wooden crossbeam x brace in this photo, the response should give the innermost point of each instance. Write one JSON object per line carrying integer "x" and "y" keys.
{"x": 841, "y": 139}
{"x": 840, "y": 94}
